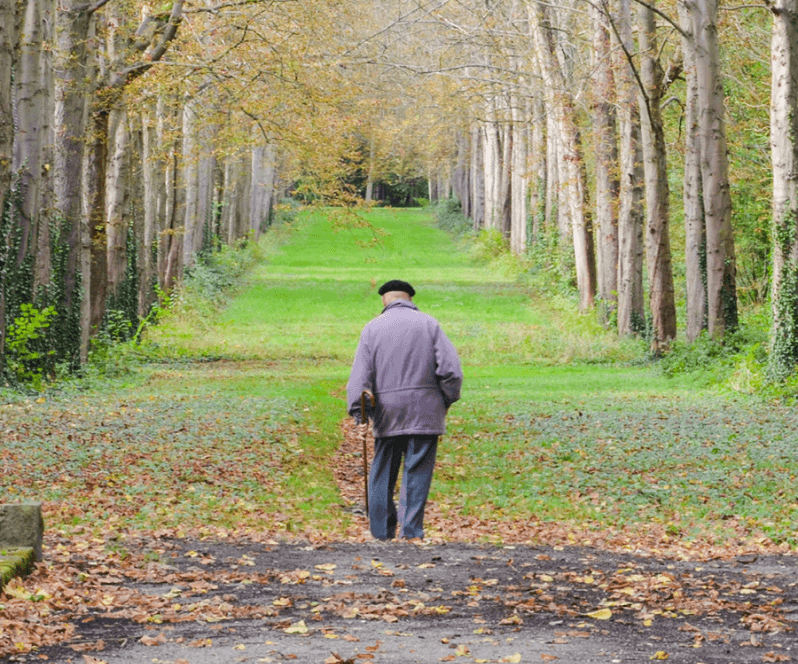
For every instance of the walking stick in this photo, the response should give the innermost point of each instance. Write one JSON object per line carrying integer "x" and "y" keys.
{"x": 366, "y": 394}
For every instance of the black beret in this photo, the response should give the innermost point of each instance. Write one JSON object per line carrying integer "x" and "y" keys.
{"x": 397, "y": 285}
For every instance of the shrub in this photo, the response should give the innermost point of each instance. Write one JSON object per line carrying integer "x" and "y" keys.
{"x": 449, "y": 217}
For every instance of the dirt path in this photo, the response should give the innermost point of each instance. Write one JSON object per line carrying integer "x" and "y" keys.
{"x": 225, "y": 602}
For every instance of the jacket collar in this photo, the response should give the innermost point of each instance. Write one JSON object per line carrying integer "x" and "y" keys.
{"x": 400, "y": 303}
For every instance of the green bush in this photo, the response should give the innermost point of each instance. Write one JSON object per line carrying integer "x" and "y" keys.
{"x": 449, "y": 217}
{"x": 719, "y": 360}
{"x": 28, "y": 355}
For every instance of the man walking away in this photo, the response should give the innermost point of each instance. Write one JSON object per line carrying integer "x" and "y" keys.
{"x": 412, "y": 368}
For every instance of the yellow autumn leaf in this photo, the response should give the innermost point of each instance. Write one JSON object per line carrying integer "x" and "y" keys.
{"x": 327, "y": 567}
{"x": 660, "y": 654}
{"x": 297, "y": 628}
{"x": 600, "y": 614}
{"x": 512, "y": 659}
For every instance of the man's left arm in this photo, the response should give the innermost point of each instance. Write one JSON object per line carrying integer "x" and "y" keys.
{"x": 448, "y": 369}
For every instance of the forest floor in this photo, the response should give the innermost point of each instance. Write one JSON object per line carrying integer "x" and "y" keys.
{"x": 206, "y": 504}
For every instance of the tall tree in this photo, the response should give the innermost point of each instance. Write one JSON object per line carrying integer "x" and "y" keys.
{"x": 784, "y": 151}
{"x": 692, "y": 196}
{"x": 631, "y": 302}
{"x": 721, "y": 264}
{"x": 658, "y": 249}
{"x": 606, "y": 156}
{"x": 561, "y": 105}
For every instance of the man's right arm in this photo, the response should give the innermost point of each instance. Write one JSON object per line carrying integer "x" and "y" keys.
{"x": 360, "y": 378}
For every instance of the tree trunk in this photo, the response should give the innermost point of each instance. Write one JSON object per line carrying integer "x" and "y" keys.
{"x": 491, "y": 163}
{"x": 694, "y": 227}
{"x": 153, "y": 187}
{"x": 116, "y": 188}
{"x": 371, "y": 166}
{"x": 505, "y": 181}
{"x": 658, "y": 251}
{"x": 7, "y": 48}
{"x": 8, "y": 44}
{"x": 71, "y": 31}
{"x": 631, "y": 301}
{"x": 477, "y": 179}
{"x": 562, "y": 106}
{"x": 607, "y": 185}
{"x": 721, "y": 264}
{"x": 190, "y": 184}
{"x": 520, "y": 179}
{"x": 784, "y": 153}
{"x": 537, "y": 167}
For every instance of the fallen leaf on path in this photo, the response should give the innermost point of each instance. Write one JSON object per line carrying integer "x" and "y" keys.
{"x": 774, "y": 656}
{"x": 88, "y": 659}
{"x": 297, "y": 628}
{"x": 600, "y": 614}
{"x": 153, "y": 641}
{"x": 660, "y": 654}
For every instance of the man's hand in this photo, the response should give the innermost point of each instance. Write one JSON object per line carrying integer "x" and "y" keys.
{"x": 362, "y": 429}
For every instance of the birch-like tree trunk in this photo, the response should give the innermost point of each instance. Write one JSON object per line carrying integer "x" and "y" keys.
{"x": 492, "y": 167}
{"x": 190, "y": 162}
{"x": 694, "y": 227}
{"x": 606, "y": 154}
{"x": 658, "y": 250}
{"x": 721, "y": 262}
{"x": 116, "y": 196}
{"x": 562, "y": 106}
{"x": 520, "y": 178}
{"x": 631, "y": 300}
{"x": 477, "y": 179}
{"x": 784, "y": 152}
{"x": 152, "y": 175}
{"x": 537, "y": 166}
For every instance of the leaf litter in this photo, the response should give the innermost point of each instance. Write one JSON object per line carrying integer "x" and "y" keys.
{"x": 93, "y": 573}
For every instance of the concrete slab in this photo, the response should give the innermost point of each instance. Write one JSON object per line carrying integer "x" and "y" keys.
{"x": 22, "y": 526}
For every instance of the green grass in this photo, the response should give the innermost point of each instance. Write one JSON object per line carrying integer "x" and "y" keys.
{"x": 559, "y": 421}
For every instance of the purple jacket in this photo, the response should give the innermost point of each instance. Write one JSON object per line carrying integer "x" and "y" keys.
{"x": 412, "y": 368}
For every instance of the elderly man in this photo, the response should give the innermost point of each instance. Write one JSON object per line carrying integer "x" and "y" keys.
{"x": 414, "y": 372}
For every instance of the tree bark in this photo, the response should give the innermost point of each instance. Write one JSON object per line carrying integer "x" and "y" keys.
{"x": 607, "y": 185}
{"x": 520, "y": 179}
{"x": 562, "y": 107}
{"x": 658, "y": 250}
{"x": 8, "y": 45}
{"x": 784, "y": 153}
{"x": 631, "y": 300}
{"x": 694, "y": 226}
{"x": 477, "y": 179}
{"x": 491, "y": 162}
{"x": 71, "y": 32}
{"x": 721, "y": 262}
{"x": 191, "y": 227}
{"x": 116, "y": 188}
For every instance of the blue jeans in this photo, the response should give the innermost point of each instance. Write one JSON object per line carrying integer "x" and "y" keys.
{"x": 419, "y": 454}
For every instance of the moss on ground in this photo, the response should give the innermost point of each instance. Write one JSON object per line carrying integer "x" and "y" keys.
{"x": 14, "y": 562}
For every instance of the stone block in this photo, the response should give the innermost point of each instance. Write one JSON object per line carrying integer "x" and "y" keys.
{"x": 22, "y": 525}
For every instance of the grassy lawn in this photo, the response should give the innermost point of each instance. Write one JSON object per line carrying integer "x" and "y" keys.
{"x": 559, "y": 422}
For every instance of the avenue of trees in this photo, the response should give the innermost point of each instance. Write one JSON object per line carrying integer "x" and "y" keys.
{"x": 651, "y": 145}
